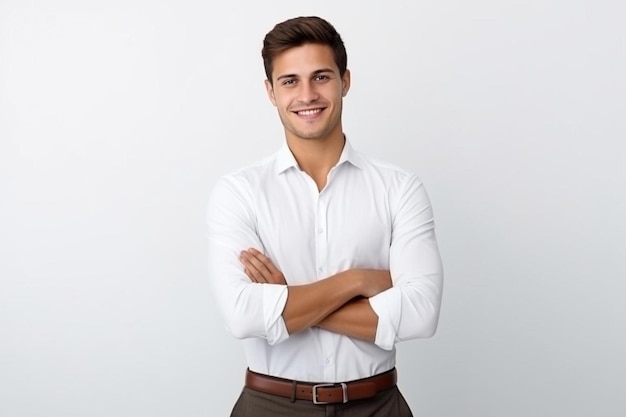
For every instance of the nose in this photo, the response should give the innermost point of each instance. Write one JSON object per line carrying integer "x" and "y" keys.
{"x": 308, "y": 93}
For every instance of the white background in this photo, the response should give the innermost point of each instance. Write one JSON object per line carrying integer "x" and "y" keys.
{"x": 117, "y": 117}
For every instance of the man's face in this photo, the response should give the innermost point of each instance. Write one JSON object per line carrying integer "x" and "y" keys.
{"x": 307, "y": 90}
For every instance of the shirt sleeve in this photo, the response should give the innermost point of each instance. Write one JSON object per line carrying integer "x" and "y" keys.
{"x": 249, "y": 309}
{"x": 410, "y": 309}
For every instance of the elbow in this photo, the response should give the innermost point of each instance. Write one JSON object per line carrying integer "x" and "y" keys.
{"x": 426, "y": 327}
{"x": 236, "y": 322}
{"x": 425, "y": 320}
{"x": 254, "y": 311}
{"x": 430, "y": 327}
{"x": 236, "y": 306}
{"x": 245, "y": 328}
{"x": 430, "y": 314}
{"x": 426, "y": 307}
{"x": 236, "y": 328}
{"x": 240, "y": 326}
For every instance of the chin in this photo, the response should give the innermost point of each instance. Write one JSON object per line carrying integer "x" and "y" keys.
{"x": 312, "y": 136}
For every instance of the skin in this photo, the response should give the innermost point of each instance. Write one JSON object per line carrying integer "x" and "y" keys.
{"x": 337, "y": 303}
{"x": 307, "y": 90}
{"x": 307, "y": 79}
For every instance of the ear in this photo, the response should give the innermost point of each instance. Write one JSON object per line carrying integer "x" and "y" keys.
{"x": 345, "y": 80}
{"x": 270, "y": 92}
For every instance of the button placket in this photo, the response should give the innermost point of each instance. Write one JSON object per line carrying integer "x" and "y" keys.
{"x": 321, "y": 243}
{"x": 327, "y": 339}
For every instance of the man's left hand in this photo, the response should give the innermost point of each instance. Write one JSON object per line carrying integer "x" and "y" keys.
{"x": 259, "y": 268}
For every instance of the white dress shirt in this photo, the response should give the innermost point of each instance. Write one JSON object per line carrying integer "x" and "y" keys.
{"x": 370, "y": 214}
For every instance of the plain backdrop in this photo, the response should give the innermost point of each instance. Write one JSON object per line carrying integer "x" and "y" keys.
{"x": 117, "y": 117}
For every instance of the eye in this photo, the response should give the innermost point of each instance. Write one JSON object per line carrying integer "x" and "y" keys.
{"x": 288, "y": 81}
{"x": 321, "y": 77}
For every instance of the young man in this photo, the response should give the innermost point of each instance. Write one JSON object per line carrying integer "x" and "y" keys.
{"x": 321, "y": 258}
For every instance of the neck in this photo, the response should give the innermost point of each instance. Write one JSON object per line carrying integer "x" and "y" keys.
{"x": 316, "y": 157}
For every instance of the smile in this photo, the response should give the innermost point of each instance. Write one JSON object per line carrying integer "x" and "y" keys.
{"x": 308, "y": 112}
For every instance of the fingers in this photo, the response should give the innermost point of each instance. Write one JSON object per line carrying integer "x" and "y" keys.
{"x": 253, "y": 267}
{"x": 256, "y": 265}
{"x": 266, "y": 262}
{"x": 273, "y": 275}
{"x": 259, "y": 268}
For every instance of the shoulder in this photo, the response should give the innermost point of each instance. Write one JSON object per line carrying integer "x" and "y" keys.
{"x": 391, "y": 174}
{"x": 240, "y": 183}
{"x": 249, "y": 174}
{"x": 405, "y": 192}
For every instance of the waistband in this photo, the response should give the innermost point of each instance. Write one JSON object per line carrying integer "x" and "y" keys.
{"x": 323, "y": 393}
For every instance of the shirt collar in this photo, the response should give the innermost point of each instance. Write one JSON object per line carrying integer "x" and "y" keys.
{"x": 286, "y": 160}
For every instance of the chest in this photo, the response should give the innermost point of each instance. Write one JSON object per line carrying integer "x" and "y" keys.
{"x": 315, "y": 234}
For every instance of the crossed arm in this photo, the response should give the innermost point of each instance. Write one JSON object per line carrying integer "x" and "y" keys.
{"x": 338, "y": 303}
{"x": 360, "y": 303}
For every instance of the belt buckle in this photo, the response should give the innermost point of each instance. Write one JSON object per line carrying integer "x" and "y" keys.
{"x": 344, "y": 389}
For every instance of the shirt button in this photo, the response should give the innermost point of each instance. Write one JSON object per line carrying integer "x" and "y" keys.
{"x": 320, "y": 230}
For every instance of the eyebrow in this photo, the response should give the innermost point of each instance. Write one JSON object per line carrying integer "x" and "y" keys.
{"x": 316, "y": 72}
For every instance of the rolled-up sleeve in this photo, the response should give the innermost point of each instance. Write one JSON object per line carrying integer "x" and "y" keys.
{"x": 410, "y": 309}
{"x": 248, "y": 309}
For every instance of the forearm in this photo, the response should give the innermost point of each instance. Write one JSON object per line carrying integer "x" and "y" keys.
{"x": 307, "y": 305}
{"x": 355, "y": 319}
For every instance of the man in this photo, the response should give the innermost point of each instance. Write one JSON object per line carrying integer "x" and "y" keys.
{"x": 321, "y": 258}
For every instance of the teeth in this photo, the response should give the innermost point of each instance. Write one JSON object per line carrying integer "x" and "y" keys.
{"x": 309, "y": 112}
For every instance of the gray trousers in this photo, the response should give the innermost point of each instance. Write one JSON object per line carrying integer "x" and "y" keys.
{"x": 388, "y": 403}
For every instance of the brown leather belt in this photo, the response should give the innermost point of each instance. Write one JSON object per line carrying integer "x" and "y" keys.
{"x": 341, "y": 392}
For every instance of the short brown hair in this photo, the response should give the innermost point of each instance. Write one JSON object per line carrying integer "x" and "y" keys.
{"x": 297, "y": 32}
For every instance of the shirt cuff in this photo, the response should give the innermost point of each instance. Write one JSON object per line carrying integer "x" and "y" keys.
{"x": 388, "y": 306}
{"x": 274, "y": 300}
